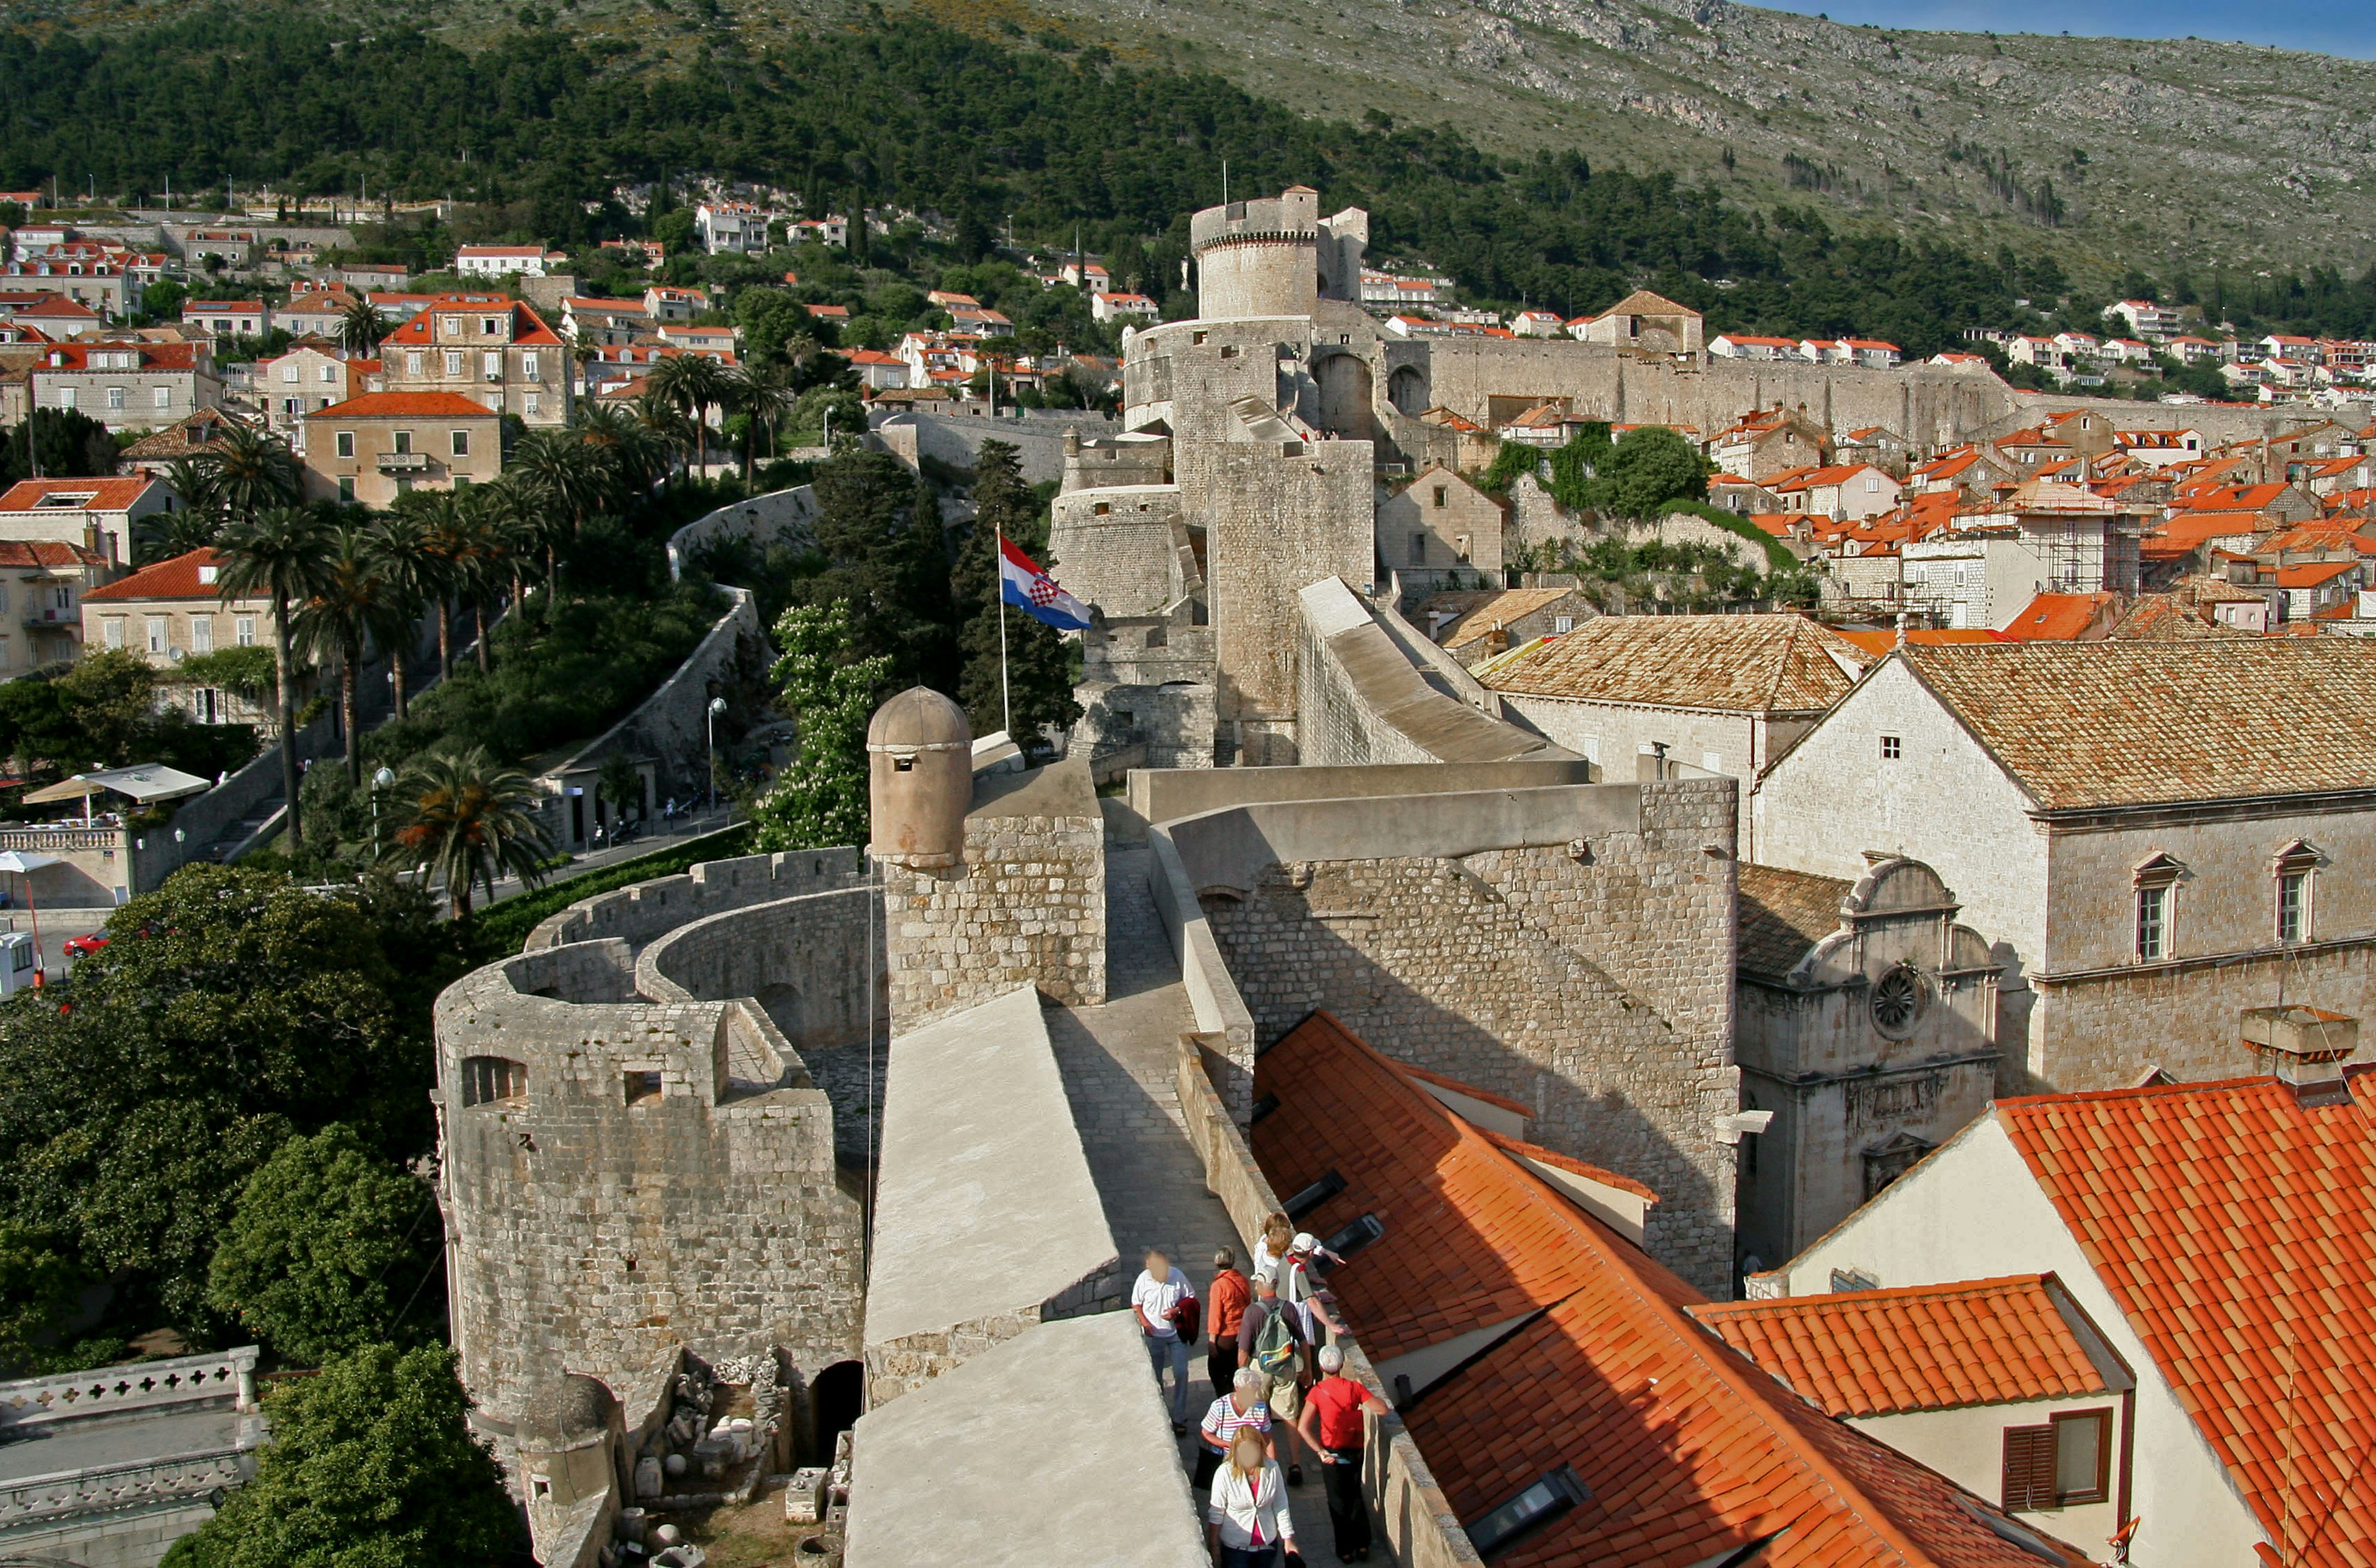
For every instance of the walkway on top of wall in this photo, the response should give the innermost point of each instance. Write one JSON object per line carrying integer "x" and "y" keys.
{"x": 1119, "y": 1062}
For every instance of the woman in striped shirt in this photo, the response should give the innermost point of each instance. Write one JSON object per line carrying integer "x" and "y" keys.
{"x": 1241, "y": 1409}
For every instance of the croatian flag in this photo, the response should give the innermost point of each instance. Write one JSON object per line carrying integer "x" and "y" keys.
{"x": 1029, "y": 590}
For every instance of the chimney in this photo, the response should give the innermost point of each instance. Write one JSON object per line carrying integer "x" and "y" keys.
{"x": 2305, "y": 1048}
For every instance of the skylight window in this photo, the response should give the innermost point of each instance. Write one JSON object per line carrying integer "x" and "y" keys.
{"x": 1312, "y": 1197}
{"x": 1356, "y": 1236}
{"x": 61, "y": 498}
{"x": 1555, "y": 1494}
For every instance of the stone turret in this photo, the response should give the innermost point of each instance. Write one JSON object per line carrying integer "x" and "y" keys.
{"x": 920, "y": 778}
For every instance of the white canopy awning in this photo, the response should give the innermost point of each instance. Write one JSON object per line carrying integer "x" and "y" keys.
{"x": 146, "y": 782}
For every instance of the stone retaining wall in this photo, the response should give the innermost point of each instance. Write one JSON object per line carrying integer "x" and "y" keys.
{"x": 638, "y": 914}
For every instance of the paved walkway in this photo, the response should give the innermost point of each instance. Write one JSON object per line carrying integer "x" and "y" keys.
{"x": 1118, "y": 1066}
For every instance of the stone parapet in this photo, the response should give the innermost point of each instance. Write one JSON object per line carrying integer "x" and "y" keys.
{"x": 639, "y": 913}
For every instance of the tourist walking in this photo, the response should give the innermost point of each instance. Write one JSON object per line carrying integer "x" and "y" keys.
{"x": 1270, "y": 1341}
{"x": 1225, "y": 1307}
{"x": 1332, "y": 1423}
{"x": 1271, "y": 1245}
{"x": 1299, "y": 1287}
{"x": 1248, "y": 1519}
{"x": 1156, "y": 1298}
{"x": 1241, "y": 1409}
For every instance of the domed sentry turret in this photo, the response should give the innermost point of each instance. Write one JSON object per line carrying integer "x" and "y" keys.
{"x": 919, "y": 775}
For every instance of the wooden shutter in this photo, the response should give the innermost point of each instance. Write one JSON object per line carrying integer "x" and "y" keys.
{"x": 2028, "y": 1467}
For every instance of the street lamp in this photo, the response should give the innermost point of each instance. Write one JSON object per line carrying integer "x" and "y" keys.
{"x": 717, "y": 706}
{"x": 380, "y": 780}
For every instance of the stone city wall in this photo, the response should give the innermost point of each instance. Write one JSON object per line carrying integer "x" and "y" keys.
{"x": 780, "y": 516}
{"x": 1595, "y": 986}
{"x": 1026, "y": 907}
{"x": 1120, "y": 560}
{"x": 647, "y": 909}
{"x": 671, "y": 727}
{"x": 793, "y": 956}
{"x": 663, "y": 1173}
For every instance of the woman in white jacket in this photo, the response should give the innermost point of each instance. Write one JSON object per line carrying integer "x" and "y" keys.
{"x": 1248, "y": 1521}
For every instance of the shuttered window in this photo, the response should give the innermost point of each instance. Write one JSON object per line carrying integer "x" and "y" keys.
{"x": 2028, "y": 1467}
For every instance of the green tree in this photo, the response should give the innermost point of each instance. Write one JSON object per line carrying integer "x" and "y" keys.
{"x": 329, "y": 1243}
{"x": 1651, "y": 465}
{"x": 251, "y": 471}
{"x": 361, "y": 328}
{"x": 830, "y": 694}
{"x": 283, "y": 556}
{"x": 356, "y": 604}
{"x": 39, "y": 1280}
{"x": 695, "y": 383}
{"x": 879, "y": 529}
{"x": 471, "y": 820}
{"x": 71, "y": 444}
{"x": 372, "y": 1464}
{"x": 1037, "y": 685}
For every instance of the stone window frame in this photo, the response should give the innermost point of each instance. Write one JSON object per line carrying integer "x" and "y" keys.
{"x": 2153, "y": 931}
{"x": 1893, "y": 748}
{"x": 2295, "y": 868}
{"x": 493, "y": 1080}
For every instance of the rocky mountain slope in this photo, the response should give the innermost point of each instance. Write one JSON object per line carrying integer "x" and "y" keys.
{"x": 2114, "y": 151}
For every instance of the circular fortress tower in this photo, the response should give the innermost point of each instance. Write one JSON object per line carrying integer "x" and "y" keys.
{"x": 1258, "y": 257}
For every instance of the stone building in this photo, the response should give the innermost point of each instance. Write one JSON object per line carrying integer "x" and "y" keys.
{"x": 1440, "y": 530}
{"x": 1637, "y": 694}
{"x": 490, "y": 348}
{"x": 2157, "y": 836}
{"x": 374, "y": 448}
{"x": 1647, "y": 321}
{"x": 1867, "y": 1028}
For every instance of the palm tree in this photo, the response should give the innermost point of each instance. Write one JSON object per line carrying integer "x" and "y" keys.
{"x": 762, "y": 394}
{"x": 695, "y": 383}
{"x": 664, "y": 425}
{"x": 282, "y": 554}
{"x": 481, "y": 569}
{"x": 445, "y": 539}
{"x": 468, "y": 819}
{"x": 561, "y": 470}
{"x": 522, "y": 524}
{"x": 361, "y": 328}
{"x": 624, "y": 449}
{"x": 251, "y": 471}
{"x": 359, "y": 603}
{"x": 399, "y": 547}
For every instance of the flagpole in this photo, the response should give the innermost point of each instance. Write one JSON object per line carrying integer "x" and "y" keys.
{"x": 1005, "y": 702}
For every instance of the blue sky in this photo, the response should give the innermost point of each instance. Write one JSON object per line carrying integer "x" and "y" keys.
{"x": 2331, "y": 26}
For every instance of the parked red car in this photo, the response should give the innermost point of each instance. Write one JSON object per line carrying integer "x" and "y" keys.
{"x": 84, "y": 947}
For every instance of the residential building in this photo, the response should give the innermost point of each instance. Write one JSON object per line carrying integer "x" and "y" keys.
{"x": 2046, "y": 537}
{"x": 1087, "y": 276}
{"x": 2213, "y": 1235}
{"x": 91, "y": 280}
{"x": 831, "y": 229}
{"x": 1538, "y": 324}
{"x": 506, "y": 261}
{"x": 713, "y": 342}
{"x": 315, "y": 312}
{"x": 493, "y": 350}
{"x": 235, "y": 248}
{"x": 127, "y": 386}
{"x": 2143, "y": 317}
{"x": 1865, "y": 1030}
{"x": 42, "y": 585}
{"x": 664, "y": 301}
{"x": 984, "y": 322}
{"x": 100, "y": 515}
{"x": 156, "y": 453}
{"x": 51, "y": 318}
{"x": 2004, "y": 1387}
{"x": 2173, "y": 858}
{"x": 1399, "y": 294}
{"x": 732, "y": 228}
{"x": 1643, "y": 696}
{"x": 590, "y": 321}
{"x": 228, "y": 318}
{"x": 1438, "y": 527}
{"x": 1478, "y": 624}
{"x": 375, "y": 447}
{"x": 2066, "y": 617}
{"x": 174, "y": 611}
{"x": 876, "y": 371}
{"x": 311, "y": 376}
{"x": 1645, "y": 320}
{"x": 1743, "y": 346}
{"x": 1559, "y": 1389}
{"x": 1769, "y": 441}
{"x": 400, "y": 307}
{"x": 1846, "y": 490}
{"x": 1106, "y": 307}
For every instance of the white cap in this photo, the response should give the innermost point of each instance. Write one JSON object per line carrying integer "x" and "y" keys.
{"x": 1304, "y": 1241}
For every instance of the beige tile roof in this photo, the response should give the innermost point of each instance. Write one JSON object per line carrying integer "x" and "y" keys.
{"x": 1481, "y": 612}
{"x": 1783, "y": 913}
{"x": 1780, "y": 664}
{"x": 2081, "y": 725}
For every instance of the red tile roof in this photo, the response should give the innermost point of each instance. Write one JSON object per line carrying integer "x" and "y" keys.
{"x": 153, "y": 356}
{"x": 528, "y": 327}
{"x": 2058, "y": 617}
{"x": 176, "y": 578}
{"x": 106, "y": 494}
{"x": 2232, "y": 1224}
{"x": 1689, "y": 1451}
{"x": 399, "y": 405}
{"x": 1422, "y": 1076}
{"x": 1921, "y": 1348}
{"x": 20, "y": 554}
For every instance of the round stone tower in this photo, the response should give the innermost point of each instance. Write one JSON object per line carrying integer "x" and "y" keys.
{"x": 1258, "y": 257}
{"x": 920, "y": 778}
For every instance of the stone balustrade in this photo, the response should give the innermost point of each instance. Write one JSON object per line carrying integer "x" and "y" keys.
{"x": 141, "y": 1483}
{"x": 225, "y": 1374}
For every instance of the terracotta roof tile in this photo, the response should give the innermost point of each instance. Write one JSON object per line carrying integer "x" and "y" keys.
{"x": 1689, "y": 1450}
{"x": 1922, "y": 1347}
{"x": 175, "y": 578}
{"x": 398, "y": 405}
{"x": 105, "y": 494}
{"x": 2059, "y": 617}
{"x": 1728, "y": 663}
{"x": 2232, "y": 1226}
{"x": 2128, "y": 722}
{"x": 1783, "y": 913}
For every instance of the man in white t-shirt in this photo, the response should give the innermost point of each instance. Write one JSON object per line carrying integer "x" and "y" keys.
{"x": 1160, "y": 1288}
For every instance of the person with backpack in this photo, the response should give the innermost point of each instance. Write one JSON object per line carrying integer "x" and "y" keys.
{"x": 1270, "y": 1341}
{"x": 1226, "y": 1300}
{"x": 1157, "y": 1299}
{"x": 1299, "y": 1288}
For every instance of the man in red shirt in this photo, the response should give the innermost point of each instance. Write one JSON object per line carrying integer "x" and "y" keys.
{"x": 1332, "y": 1423}
{"x": 1225, "y": 1309}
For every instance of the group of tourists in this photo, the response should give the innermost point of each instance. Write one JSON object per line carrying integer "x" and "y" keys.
{"x": 1278, "y": 1378}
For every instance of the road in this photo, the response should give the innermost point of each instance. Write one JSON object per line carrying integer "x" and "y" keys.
{"x": 595, "y": 860}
